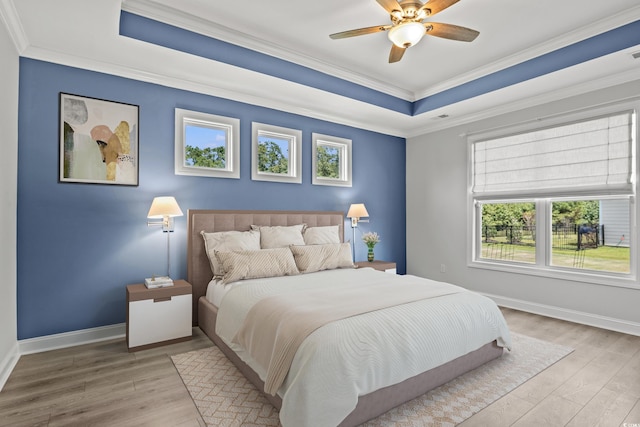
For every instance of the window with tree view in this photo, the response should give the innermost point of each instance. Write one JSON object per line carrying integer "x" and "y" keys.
{"x": 591, "y": 235}
{"x": 205, "y": 147}
{"x": 509, "y": 231}
{"x": 276, "y": 153}
{"x": 331, "y": 161}
{"x": 328, "y": 161}
{"x": 559, "y": 198}
{"x": 273, "y": 154}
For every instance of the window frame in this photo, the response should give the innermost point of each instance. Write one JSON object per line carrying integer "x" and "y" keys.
{"x": 228, "y": 125}
{"x": 543, "y": 206}
{"x": 293, "y": 137}
{"x": 343, "y": 146}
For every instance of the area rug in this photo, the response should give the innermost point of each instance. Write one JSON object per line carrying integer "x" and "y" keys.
{"x": 225, "y": 398}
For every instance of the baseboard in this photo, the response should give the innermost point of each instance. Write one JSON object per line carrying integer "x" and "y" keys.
{"x": 70, "y": 339}
{"x": 7, "y": 365}
{"x": 610, "y": 323}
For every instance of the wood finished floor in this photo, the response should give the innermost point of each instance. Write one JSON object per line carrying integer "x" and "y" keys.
{"x": 101, "y": 384}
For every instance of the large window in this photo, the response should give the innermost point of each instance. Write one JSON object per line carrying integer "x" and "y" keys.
{"x": 557, "y": 200}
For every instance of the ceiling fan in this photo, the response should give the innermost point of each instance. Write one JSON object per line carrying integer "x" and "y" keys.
{"x": 407, "y": 28}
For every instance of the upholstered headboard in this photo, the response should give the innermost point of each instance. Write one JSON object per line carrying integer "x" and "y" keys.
{"x": 198, "y": 268}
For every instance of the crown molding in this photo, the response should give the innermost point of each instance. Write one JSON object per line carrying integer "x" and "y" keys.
{"x": 394, "y": 124}
{"x": 178, "y": 18}
{"x": 171, "y": 16}
{"x": 545, "y": 98}
{"x": 252, "y": 88}
{"x": 9, "y": 16}
{"x": 595, "y": 28}
{"x": 308, "y": 106}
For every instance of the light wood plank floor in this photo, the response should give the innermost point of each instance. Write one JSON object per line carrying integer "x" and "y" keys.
{"x": 102, "y": 384}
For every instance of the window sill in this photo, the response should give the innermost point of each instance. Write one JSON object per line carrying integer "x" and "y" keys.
{"x": 621, "y": 281}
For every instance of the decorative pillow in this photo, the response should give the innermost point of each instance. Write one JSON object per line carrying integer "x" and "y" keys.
{"x": 322, "y": 257}
{"x": 279, "y": 236}
{"x": 241, "y": 265}
{"x": 321, "y": 235}
{"x": 228, "y": 241}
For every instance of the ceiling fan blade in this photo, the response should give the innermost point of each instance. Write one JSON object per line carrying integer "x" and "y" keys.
{"x": 390, "y": 5}
{"x": 360, "y": 32}
{"x": 435, "y": 6}
{"x": 452, "y": 32}
{"x": 396, "y": 53}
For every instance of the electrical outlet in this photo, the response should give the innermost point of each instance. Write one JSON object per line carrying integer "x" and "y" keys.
{"x": 443, "y": 268}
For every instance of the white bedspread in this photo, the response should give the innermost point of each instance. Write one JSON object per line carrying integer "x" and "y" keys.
{"x": 216, "y": 290}
{"x": 355, "y": 356}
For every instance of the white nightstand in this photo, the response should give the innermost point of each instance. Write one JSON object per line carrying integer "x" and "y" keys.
{"x": 386, "y": 266}
{"x": 158, "y": 316}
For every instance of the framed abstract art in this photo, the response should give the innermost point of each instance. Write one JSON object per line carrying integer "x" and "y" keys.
{"x": 98, "y": 141}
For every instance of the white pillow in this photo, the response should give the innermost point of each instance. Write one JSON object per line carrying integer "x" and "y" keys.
{"x": 241, "y": 265}
{"x": 321, "y": 235}
{"x": 279, "y": 236}
{"x": 313, "y": 258}
{"x": 228, "y": 241}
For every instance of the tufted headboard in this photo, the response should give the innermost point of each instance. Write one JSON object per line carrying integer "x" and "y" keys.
{"x": 198, "y": 268}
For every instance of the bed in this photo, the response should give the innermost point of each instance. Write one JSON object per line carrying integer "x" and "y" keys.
{"x": 316, "y": 393}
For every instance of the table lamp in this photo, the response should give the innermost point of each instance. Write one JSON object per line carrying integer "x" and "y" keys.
{"x": 166, "y": 208}
{"x": 356, "y": 212}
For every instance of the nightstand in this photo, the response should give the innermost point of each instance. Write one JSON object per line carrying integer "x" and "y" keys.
{"x": 386, "y": 266}
{"x": 158, "y": 316}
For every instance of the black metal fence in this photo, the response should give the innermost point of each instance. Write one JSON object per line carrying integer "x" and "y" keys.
{"x": 511, "y": 234}
{"x": 574, "y": 236}
{"x": 565, "y": 236}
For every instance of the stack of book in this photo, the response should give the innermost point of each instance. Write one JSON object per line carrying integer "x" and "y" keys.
{"x": 158, "y": 282}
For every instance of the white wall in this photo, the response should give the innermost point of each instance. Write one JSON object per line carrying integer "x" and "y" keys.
{"x": 437, "y": 226}
{"x": 8, "y": 198}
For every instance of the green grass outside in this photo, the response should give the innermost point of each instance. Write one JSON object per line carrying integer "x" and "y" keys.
{"x": 603, "y": 258}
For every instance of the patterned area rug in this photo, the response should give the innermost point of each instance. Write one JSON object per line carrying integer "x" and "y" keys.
{"x": 225, "y": 398}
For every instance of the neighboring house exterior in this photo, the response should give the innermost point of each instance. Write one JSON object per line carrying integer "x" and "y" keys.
{"x": 614, "y": 216}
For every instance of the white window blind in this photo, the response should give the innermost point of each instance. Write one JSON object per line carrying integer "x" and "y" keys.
{"x": 591, "y": 155}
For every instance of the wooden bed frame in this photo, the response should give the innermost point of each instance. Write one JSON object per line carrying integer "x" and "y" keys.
{"x": 204, "y": 313}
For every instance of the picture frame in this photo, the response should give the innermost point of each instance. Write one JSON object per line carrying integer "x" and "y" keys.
{"x": 206, "y": 145}
{"x": 331, "y": 160}
{"x": 99, "y": 141}
{"x": 276, "y": 153}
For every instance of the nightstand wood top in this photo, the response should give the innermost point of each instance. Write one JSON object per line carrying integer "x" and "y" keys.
{"x": 139, "y": 291}
{"x": 376, "y": 264}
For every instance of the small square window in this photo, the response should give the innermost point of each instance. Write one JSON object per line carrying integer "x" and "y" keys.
{"x": 276, "y": 153}
{"x": 207, "y": 145}
{"x": 331, "y": 161}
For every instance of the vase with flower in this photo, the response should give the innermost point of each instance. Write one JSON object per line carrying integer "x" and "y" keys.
{"x": 370, "y": 239}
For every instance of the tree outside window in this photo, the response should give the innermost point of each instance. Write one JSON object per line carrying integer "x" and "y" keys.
{"x": 273, "y": 156}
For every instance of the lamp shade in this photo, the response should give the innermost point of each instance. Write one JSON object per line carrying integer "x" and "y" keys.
{"x": 164, "y": 206}
{"x": 407, "y": 34}
{"x": 357, "y": 210}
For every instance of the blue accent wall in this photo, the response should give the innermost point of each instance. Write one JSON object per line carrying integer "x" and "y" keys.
{"x": 79, "y": 245}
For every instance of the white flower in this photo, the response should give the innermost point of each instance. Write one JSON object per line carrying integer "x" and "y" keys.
{"x": 371, "y": 238}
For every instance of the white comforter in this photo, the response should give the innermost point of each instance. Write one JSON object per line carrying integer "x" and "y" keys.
{"x": 355, "y": 356}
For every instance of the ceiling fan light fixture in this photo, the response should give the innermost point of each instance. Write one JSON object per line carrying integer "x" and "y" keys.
{"x": 406, "y": 34}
